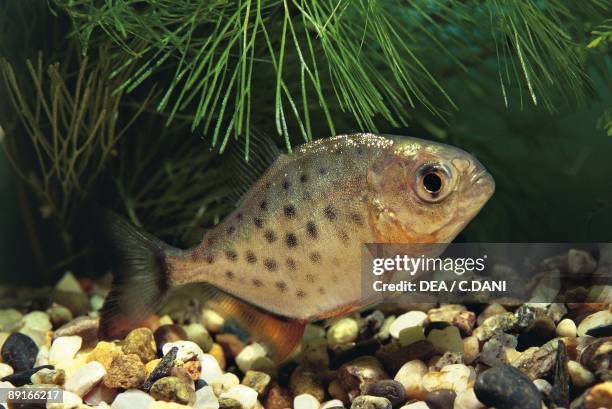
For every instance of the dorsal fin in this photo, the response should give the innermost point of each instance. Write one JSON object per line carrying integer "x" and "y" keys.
{"x": 248, "y": 166}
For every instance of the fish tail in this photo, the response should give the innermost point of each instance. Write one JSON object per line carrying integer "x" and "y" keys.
{"x": 140, "y": 275}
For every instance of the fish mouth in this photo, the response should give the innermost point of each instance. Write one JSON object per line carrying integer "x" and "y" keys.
{"x": 482, "y": 185}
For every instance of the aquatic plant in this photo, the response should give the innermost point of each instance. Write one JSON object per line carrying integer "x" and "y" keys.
{"x": 128, "y": 103}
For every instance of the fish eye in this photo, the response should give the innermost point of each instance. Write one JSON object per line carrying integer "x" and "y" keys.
{"x": 432, "y": 184}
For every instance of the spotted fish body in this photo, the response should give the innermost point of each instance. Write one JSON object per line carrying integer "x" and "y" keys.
{"x": 295, "y": 241}
{"x": 292, "y": 248}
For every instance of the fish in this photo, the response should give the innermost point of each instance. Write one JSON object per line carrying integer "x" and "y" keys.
{"x": 290, "y": 252}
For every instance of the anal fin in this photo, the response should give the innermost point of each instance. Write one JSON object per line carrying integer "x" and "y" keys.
{"x": 280, "y": 335}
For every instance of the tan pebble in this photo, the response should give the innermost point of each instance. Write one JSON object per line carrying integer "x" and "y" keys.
{"x": 150, "y": 366}
{"x": 580, "y": 376}
{"x": 599, "y": 396}
{"x": 336, "y": 391}
{"x": 231, "y": 344}
{"x": 467, "y": 400}
{"x": 411, "y": 376}
{"x": 212, "y": 320}
{"x": 594, "y": 320}
{"x": 193, "y": 368}
{"x": 491, "y": 310}
{"x": 126, "y": 371}
{"x": 104, "y": 353}
{"x": 566, "y": 328}
{"x": 217, "y": 351}
{"x": 165, "y": 320}
{"x": 456, "y": 377}
{"x": 160, "y": 404}
{"x": 471, "y": 348}
{"x": 278, "y": 398}
{"x": 140, "y": 341}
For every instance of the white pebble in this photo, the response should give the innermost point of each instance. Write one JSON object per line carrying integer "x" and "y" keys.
{"x": 99, "y": 395}
{"x": 543, "y": 386}
{"x": 6, "y": 385}
{"x": 594, "y": 320}
{"x": 69, "y": 283}
{"x": 206, "y": 399}
{"x": 332, "y": 404}
{"x": 83, "y": 380}
{"x": 64, "y": 349}
{"x": 407, "y": 320}
{"x": 42, "y": 358}
{"x": 455, "y": 377}
{"x": 580, "y": 376}
{"x": 224, "y": 383}
{"x": 210, "y": 368}
{"x": 187, "y": 350}
{"x": 305, "y": 401}
{"x": 37, "y": 320}
{"x": 411, "y": 376}
{"x": 69, "y": 400}
{"x": 566, "y": 328}
{"x": 102, "y": 405}
{"x": 243, "y": 394}
{"x": 249, "y": 355}
{"x": 467, "y": 400}
{"x": 212, "y": 320}
{"x": 131, "y": 399}
{"x": 5, "y": 370}
{"x": 416, "y": 405}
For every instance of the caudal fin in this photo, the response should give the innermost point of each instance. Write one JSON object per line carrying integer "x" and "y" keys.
{"x": 140, "y": 275}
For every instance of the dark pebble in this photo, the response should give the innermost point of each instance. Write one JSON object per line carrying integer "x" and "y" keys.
{"x": 559, "y": 394}
{"x": 232, "y": 327}
{"x": 441, "y": 399}
{"x": 19, "y": 351}
{"x": 371, "y": 325}
{"x": 505, "y": 387}
{"x": 392, "y": 390}
{"x": 23, "y": 377}
{"x": 601, "y": 331}
{"x": 200, "y": 383}
{"x": 163, "y": 369}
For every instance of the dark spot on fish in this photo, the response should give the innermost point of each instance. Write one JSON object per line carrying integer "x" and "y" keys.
{"x": 239, "y": 217}
{"x": 250, "y": 257}
{"x": 338, "y": 151}
{"x": 289, "y": 211}
{"x": 258, "y": 222}
{"x": 257, "y": 283}
{"x": 300, "y": 293}
{"x": 281, "y": 286}
{"x": 291, "y": 263}
{"x": 291, "y": 240}
{"x": 210, "y": 241}
{"x": 315, "y": 257}
{"x": 230, "y": 275}
{"x": 310, "y": 278}
{"x": 335, "y": 279}
{"x": 311, "y": 228}
{"x": 230, "y": 230}
{"x": 303, "y": 178}
{"x": 268, "y": 185}
{"x": 270, "y": 264}
{"x": 323, "y": 171}
{"x": 270, "y": 236}
{"x": 321, "y": 290}
{"x": 263, "y": 205}
{"x": 231, "y": 255}
{"x": 344, "y": 236}
{"x": 330, "y": 212}
{"x": 357, "y": 219}
{"x": 210, "y": 258}
{"x": 360, "y": 150}
{"x": 286, "y": 185}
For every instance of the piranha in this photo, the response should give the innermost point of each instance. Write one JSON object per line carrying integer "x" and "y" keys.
{"x": 290, "y": 253}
